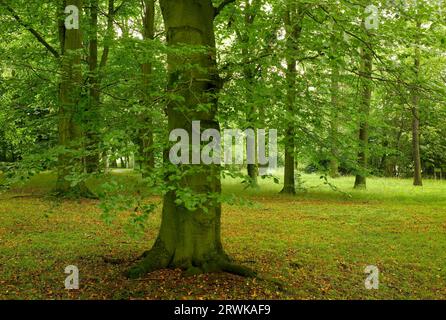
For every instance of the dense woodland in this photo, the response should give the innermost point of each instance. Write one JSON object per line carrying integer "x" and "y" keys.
{"x": 354, "y": 88}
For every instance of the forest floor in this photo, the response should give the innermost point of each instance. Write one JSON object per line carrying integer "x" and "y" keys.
{"x": 315, "y": 245}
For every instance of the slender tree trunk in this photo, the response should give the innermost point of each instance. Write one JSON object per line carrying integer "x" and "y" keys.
{"x": 92, "y": 158}
{"x": 334, "y": 124}
{"x": 146, "y": 137}
{"x": 251, "y": 118}
{"x": 190, "y": 238}
{"x": 249, "y": 74}
{"x": 417, "y": 179}
{"x": 252, "y": 168}
{"x": 108, "y": 36}
{"x": 366, "y": 98}
{"x": 293, "y": 23}
{"x": 95, "y": 68}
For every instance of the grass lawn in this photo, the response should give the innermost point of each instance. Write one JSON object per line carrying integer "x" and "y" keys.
{"x": 311, "y": 246}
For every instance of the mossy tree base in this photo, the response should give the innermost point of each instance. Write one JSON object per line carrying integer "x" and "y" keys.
{"x": 188, "y": 240}
{"x": 159, "y": 258}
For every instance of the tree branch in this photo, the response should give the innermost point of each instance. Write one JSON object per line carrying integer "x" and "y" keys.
{"x": 223, "y": 5}
{"x": 31, "y": 30}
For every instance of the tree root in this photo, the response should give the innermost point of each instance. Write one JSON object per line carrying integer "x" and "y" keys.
{"x": 155, "y": 259}
{"x": 158, "y": 258}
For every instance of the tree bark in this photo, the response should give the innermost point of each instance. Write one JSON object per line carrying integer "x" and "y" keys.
{"x": 92, "y": 114}
{"x": 70, "y": 112}
{"x": 366, "y": 98}
{"x": 334, "y": 123}
{"x": 249, "y": 74}
{"x": 417, "y": 179}
{"x": 146, "y": 136}
{"x": 189, "y": 238}
{"x": 293, "y": 25}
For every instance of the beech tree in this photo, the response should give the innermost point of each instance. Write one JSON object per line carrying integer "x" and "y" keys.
{"x": 293, "y": 18}
{"x": 146, "y": 135}
{"x": 189, "y": 237}
{"x": 366, "y": 96}
{"x": 417, "y": 179}
{"x": 70, "y": 129}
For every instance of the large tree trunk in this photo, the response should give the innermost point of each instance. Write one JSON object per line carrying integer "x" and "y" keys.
{"x": 189, "y": 238}
{"x": 366, "y": 98}
{"x": 417, "y": 179}
{"x": 293, "y": 23}
{"x": 145, "y": 135}
{"x": 70, "y": 129}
